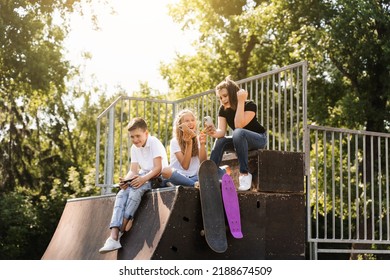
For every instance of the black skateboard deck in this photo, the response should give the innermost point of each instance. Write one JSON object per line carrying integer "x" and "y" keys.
{"x": 212, "y": 208}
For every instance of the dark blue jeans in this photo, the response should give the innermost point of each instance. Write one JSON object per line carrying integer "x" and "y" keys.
{"x": 241, "y": 141}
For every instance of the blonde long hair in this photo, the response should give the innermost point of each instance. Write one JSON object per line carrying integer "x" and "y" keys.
{"x": 179, "y": 133}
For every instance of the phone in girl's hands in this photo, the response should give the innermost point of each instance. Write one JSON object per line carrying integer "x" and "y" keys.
{"x": 208, "y": 121}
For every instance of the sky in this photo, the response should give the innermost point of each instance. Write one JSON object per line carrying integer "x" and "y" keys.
{"x": 130, "y": 44}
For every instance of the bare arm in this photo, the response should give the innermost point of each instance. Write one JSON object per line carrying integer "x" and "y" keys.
{"x": 156, "y": 170}
{"x": 185, "y": 158}
{"x": 202, "y": 147}
{"x": 242, "y": 117}
{"x": 220, "y": 131}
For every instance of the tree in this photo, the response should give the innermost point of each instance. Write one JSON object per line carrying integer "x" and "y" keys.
{"x": 45, "y": 142}
{"x": 226, "y": 45}
{"x": 31, "y": 82}
{"x": 345, "y": 42}
{"x": 351, "y": 74}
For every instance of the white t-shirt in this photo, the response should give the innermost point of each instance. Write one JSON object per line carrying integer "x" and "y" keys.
{"x": 144, "y": 156}
{"x": 175, "y": 164}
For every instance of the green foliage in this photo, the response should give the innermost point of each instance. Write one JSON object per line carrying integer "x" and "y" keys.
{"x": 18, "y": 222}
{"x": 239, "y": 42}
{"x": 46, "y": 143}
{"x": 345, "y": 42}
{"x": 31, "y": 82}
{"x": 28, "y": 219}
{"x": 191, "y": 74}
{"x": 354, "y": 45}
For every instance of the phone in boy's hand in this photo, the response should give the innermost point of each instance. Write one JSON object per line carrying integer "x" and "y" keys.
{"x": 128, "y": 180}
{"x": 123, "y": 182}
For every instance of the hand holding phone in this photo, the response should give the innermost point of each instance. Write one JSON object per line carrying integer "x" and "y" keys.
{"x": 209, "y": 127}
{"x": 208, "y": 121}
{"x": 125, "y": 182}
{"x": 128, "y": 180}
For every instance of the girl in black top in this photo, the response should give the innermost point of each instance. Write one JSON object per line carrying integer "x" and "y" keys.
{"x": 248, "y": 134}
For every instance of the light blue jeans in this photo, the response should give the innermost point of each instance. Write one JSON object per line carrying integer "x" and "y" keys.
{"x": 179, "y": 179}
{"x": 241, "y": 142}
{"x": 126, "y": 203}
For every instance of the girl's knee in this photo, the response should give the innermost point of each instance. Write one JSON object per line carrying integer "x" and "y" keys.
{"x": 166, "y": 172}
{"x": 238, "y": 132}
{"x": 221, "y": 142}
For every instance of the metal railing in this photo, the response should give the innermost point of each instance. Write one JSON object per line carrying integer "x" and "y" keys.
{"x": 280, "y": 96}
{"x": 347, "y": 191}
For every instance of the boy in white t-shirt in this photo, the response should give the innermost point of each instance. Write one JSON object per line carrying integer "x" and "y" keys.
{"x": 187, "y": 151}
{"x": 148, "y": 158}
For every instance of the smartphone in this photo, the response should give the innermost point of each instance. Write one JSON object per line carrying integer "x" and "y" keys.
{"x": 208, "y": 121}
{"x": 128, "y": 180}
{"x": 124, "y": 182}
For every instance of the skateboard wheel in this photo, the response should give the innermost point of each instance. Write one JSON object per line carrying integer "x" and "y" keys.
{"x": 202, "y": 232}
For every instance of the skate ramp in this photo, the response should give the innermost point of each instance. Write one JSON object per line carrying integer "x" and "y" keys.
{"x": 83, "y": 227}
{"x": 168, "y": 226}
{"x": 82, "y": 230}
{"x": 168, "y": 223}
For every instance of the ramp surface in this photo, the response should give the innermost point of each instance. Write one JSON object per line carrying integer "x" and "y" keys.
{"x": 168, "y": 226}
{"x": 84, "y": 227}
{"x": 82, "y": 230}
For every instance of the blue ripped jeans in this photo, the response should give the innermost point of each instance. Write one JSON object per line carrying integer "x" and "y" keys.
{"x": 241, "y": 141}
{"x": 127, "y": 202}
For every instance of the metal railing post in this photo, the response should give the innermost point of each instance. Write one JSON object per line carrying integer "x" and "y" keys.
{"x": 109, "y": 170}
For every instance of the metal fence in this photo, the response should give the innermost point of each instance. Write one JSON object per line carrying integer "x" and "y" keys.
{"x": 347, "y": 191}
{"x": 280, "y": 96}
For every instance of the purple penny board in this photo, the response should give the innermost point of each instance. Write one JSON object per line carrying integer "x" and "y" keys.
{"x": 232, "y": 207}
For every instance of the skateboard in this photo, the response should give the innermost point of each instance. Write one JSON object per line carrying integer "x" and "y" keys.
{"x": 232, "y": 207}
{"x": 212, "y": 208}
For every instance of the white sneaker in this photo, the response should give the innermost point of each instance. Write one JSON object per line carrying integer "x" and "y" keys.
{"x": 245, "y": 182}
{"x": 110, "y": 245}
